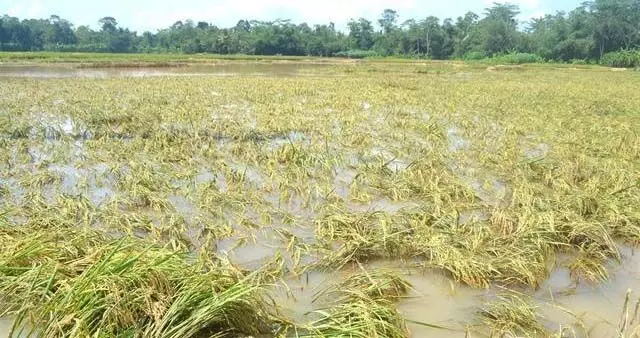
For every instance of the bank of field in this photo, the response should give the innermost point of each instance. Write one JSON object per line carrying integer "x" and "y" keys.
{"x": 359, "y": 200}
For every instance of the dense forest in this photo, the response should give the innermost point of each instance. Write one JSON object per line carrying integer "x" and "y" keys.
{"x": 586, "y": 33}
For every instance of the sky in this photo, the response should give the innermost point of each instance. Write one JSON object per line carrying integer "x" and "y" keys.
{"x": 142, "y": 15}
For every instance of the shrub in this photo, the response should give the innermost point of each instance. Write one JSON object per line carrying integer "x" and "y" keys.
{"x": 622, "y": 59}
{"x": 517, "y": 58}
{"x": 470, "y": 56}
{"x": 357, "y": 53}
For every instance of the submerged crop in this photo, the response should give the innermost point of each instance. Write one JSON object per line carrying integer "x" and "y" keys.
{"x": 177, "y": 206}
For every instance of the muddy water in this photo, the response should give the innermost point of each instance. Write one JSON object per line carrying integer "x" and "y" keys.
{"x": 230, "y": 69}
{"x": 5, "y": 327}
{"x": 582, "y": 310}
{"x": 587, "y": 311}
{"x": 435, "y": 299}
{"x": 598, "y": 308}
{"x": 251, "y": 251}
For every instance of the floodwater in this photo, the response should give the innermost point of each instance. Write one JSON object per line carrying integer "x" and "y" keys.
{"x": 227, "y": 69}
{"x": 579, "y": 310}
{"x": 600, "y": 308}
{"x": 584, "y": 310}
{"x": 5, "y": 327}
{"x": 5, "y": 330}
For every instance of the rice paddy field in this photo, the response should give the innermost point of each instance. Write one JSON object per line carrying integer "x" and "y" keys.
{"x": 293, "y": 199}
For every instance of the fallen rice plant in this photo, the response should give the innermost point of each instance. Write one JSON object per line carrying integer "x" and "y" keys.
{"x": 168, "y": 206}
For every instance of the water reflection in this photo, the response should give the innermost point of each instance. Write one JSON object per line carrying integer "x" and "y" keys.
{"x": 230, "y": 69}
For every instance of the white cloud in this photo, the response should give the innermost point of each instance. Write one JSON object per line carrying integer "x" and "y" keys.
{"x": 228, "y": 12}
{"x": 28, "y": 9}
{"x": 528, "y": 4}
{"x": 151, "y": 15}
{"x": 537, "y": 14}
{"x": 529, "y": 9}
{"x": 523, "y": 4}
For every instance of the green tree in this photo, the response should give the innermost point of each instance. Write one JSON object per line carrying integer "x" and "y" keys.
{"x": 464, "y": 33}
{"x": 498, "y": 31}
{"x": 616, "y": 24}
{"x": 59, "y": 32}
{"x": 108, "y": 24}
{"x": 361, "y": 34}
{"x": 388, "y": 20}
{"x": 587, "y": 32}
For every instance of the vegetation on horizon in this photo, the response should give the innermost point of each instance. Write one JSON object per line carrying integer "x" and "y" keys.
{"x": 588, "y": 32}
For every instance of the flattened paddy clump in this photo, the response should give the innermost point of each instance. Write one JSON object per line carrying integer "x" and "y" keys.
{"x": 345, "y": 202}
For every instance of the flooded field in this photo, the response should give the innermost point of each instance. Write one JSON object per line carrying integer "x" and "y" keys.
{"x": 319, "y": 200}
{"x": 53, "y": 71}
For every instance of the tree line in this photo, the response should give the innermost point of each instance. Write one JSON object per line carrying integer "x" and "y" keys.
{"x": 588, "y": 32}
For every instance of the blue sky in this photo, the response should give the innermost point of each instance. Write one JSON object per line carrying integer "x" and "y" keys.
{"x": 151, "y": 15}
